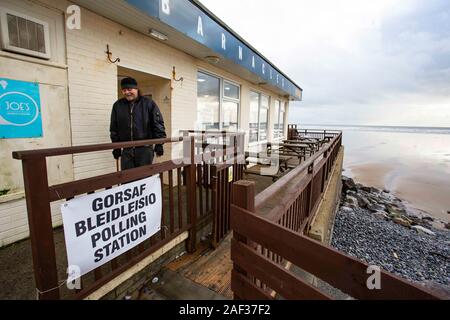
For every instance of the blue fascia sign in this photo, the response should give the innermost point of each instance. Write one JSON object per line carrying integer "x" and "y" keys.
{"x": 20, "y": 109}
{"x": 189, "y": 19}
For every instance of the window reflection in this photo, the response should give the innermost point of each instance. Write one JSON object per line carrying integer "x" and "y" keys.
{"x": 259, "y": 117}
{"x": 276, "y": 124}
{"x": 230, "y": 91}
{"x": 264, "y": 118}
{"x": 254, "y": 113}
{"x": 208, "y": 100}
{"x": 230, "y": 116}
{"x": 216, "y": 111}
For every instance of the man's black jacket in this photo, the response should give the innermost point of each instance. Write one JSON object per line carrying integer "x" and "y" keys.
{"x": 147, "y": 123}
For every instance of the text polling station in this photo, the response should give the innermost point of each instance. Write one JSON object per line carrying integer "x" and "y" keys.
{"x": 101, "y": 226}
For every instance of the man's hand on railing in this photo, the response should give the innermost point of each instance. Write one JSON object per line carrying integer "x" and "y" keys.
{"x": 117, "y": 153}
{"x": 159, "y": 150}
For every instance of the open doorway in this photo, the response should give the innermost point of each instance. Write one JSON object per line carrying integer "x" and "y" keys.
{"x": 159, "y": 89}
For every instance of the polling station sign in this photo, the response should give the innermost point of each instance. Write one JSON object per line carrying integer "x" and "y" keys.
{"x": 101, "y": 226}
{"x": 20, "y": 109}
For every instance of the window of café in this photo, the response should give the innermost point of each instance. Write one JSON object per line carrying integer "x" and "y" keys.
{"x": 218, "y": 103}
{"x": 278, "y": 126}
{"x": 259, "y": 117}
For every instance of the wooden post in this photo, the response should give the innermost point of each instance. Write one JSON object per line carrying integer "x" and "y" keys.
{"x": 244, "y": 197}
{"x": 41, "y": 230}
{"x": 189, "y": 155}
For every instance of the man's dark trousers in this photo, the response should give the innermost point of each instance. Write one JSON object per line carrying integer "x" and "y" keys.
{"x": 136, "y": 157}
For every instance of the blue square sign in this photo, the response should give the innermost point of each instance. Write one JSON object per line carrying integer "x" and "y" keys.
{"x": 20, "y": 109}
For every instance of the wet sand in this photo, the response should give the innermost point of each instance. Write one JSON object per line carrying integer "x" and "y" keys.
{"x": 426, "y": 189}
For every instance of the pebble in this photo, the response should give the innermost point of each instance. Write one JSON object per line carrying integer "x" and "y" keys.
{"x": 424, "y": 230}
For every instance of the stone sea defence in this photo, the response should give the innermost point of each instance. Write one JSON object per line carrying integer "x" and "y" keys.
{"x": 381, "y": 229}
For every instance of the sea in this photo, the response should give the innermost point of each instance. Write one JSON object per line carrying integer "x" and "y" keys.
{"x": 411, "y": 162}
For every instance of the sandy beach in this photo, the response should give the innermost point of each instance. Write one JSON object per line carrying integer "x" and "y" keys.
{"x": 427, "y": 189}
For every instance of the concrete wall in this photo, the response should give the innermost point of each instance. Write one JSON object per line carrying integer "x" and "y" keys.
{"x": 322, "y": 223}
{"x": 78, "y": 89}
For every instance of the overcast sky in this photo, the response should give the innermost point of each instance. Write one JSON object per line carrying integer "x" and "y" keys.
{"x": 381, "y": 62}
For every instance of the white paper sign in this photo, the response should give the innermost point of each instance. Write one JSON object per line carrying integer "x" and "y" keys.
{"x": 101, "y": 226}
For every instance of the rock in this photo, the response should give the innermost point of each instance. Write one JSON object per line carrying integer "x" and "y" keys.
{"x": 423, "y": 230}
{"x": 351, "y": 200}
{"x": 415, "y": 213}
{"x": 366, "y": 189}
{"x": 374, "y": 190}
{"x": 351, "y": 193}
{"x": 348, "y": 183}
{"x": 362, "y": 201}
{"x": 376, "y": 207}
{"x": 428, "y": 217}
{"x": 346, "y": 209}
{"x": 380, "y": 214}
{"x": 407, "y": 219}
{"x": 386, "y": 190}
{"x": 394, "y": 209}
{"x": 447, "y": 226}
{"x": 402, "y": 222}
{"x": 387, "y": 196}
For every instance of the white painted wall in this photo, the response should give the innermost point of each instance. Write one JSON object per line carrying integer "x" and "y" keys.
{"x": 52, "y": 78}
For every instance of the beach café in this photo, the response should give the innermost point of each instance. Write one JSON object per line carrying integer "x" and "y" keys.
{"x": 201, "y": 74}
{"x": 61, "y": 64}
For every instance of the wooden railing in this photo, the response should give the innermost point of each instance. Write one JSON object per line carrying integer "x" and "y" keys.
{"x": 189, "y": 197}
{"x": 302, "y": 188}
{"x": 295, "y": 133}
{"x": 216, "y": 173}
{"x": 178, "y": 213}
{"x": 268, "y": 245}
{"x": 339, "y": 270}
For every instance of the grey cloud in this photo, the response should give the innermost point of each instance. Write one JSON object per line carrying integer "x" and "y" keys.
{"x": 395, "y": 69}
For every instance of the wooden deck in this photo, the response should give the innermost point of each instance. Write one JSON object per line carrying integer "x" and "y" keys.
{"x": 208, "y": 267}
{"x": 211, "y": 268}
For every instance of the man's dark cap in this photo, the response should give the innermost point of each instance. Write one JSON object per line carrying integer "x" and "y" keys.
{"x": 129, "y": 83}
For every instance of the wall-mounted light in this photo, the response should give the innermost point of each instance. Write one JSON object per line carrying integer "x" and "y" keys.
{"x": 212, "y": 59}
{"x": 158, "y": 35}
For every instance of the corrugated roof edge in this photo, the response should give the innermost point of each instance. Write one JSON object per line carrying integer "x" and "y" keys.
{"x": 202, "y": 7}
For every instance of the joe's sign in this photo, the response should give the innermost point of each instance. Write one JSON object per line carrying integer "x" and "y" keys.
{"x": 20, "y": 109}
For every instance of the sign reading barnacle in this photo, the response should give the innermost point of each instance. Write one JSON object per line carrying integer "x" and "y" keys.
{"x": 101, "y": 226}
{"x": 189, "y": 19}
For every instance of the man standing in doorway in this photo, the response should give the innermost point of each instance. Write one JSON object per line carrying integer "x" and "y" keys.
{"x": 136, "y": 117}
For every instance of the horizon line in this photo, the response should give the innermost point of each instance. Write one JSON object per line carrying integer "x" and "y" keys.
{"x": 371, "y": 125}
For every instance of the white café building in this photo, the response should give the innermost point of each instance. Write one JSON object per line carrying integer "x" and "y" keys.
{"x": 58, "y": 83}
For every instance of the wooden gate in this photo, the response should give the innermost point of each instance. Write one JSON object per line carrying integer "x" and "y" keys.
{"x": 220, "y": 162}
{"x": 223, "y": 177}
